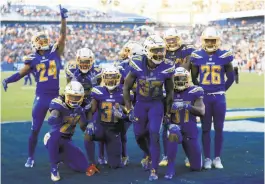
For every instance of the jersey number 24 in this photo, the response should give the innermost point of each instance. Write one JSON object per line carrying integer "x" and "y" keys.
{"x": 52, "y": 71}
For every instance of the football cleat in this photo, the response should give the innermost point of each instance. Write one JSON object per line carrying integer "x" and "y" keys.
{"x": 217, "y": 163}
{"x": 169, "y": 176}
{"x": 187, "y": 162}
{"x": 30, "y": 162}
{"x": 102, "y": 161}
{"x": 55, "y": 176}
{"x": 146, "y": 162}
{"x": 91, "y": 170}
{"x": 207, "y": 163}
{"x": 125, "y": 160}
{"x": 153, "y": 175}
{"x": 164, "y": 161}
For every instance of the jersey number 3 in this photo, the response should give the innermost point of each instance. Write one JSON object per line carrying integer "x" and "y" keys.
{"x": 213, "y": 71}
{"x": 52, "y": 71}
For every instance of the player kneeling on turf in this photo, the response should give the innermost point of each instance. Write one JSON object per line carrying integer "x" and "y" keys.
{"x": 181, "y": 123}
{"x": 107, "y": 99}
{"x": 65, "y": 114}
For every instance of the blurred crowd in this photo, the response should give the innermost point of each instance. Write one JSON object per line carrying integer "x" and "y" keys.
{"x": 107, "y": 40}
{"x": 245, "y": 5}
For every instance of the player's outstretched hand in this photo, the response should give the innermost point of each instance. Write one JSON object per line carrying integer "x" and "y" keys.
{"x": 4, "y": 83}
{"x": 63, "y": 12}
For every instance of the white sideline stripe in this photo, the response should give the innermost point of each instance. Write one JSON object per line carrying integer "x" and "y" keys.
{"x": 7, "y": 122}
{"x": 245, "y": 113}
{"x": 243, "y": 126}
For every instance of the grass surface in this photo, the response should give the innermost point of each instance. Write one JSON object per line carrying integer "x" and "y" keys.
{"x": 17, "y": 101}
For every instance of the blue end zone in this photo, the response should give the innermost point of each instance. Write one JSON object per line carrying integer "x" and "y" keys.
{"x": 242, "y": 158}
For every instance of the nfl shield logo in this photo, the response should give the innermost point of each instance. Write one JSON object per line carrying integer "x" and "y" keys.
{"x": 110, "y": 96}
{"x": 151, "y": 74}
{"x": 178, "y": 95}
{"x": 43, "y": 57}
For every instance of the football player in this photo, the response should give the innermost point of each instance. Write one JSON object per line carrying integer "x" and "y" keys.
{"x": 84, "y": 71}
{"x": 130, "y": 49}
{"x": 151, "y": 72}
{"x": 45, "y": 64}
{"x": 66, "y": 113}
{"x": 181, "y": 124}
{"x": 180, "y": 54}
{"x": 176, "y": 50}
{"x": 212, "y": 65}
{"x": 108, "y": 100}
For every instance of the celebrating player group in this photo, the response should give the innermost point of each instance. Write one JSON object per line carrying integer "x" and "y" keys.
{"x": 150, "y": 88}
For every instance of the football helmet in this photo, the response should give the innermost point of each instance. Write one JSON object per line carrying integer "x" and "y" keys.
{"x": 207, "y": 38}
{"x": 40, "y": 41}
{"x": 172, "y": 39}
{"x": 85, "y": 59}
{"x": 74, "y": 94}
{"x": 181, "y": 79}
{"x": 129, "y": 49}
{"x": 155, "y": 49}
{"x": 111, "y": 77}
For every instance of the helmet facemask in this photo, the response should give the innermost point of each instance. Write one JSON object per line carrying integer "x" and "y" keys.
{"x": 111, "y": 80}
{"x": 85, "y": 64}
{"x": 156, "y": 54}
{"x": 210, "y": 44}
{"x": 173, "y": 43}
{"x": 41, "y": 42}
{"x": 181, "y": 82}
{"x": 73, "y": 100}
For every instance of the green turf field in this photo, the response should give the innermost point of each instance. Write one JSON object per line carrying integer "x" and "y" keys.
{"x": 17, "y": 101}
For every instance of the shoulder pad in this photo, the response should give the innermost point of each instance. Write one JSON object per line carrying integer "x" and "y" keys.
{"x": 226, "y": 54}
{"x": 28, "y": 57}
{"x": 97, "y": 69}
{"x": 54, "y": 47}
{"x": 96, "y": 91}
{"x": 135, "y": 62}
{"x": 70, "y": 67}
{"x": 196, "y": 55}
{"x": 190, "y": 47}
{"x": 196, "y": 89}
{"x": 57, "y": 104}
{"x": 168, "y": 61}
{"x": 137, "y": 58}
{"x": 169, "y": 69}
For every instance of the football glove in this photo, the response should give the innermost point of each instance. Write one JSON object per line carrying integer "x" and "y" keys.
{"x": 4, "y": 83}
{"x": 118, "y": 112}
{"x": 180, "y": 105}
{"x": 63, "y": 12}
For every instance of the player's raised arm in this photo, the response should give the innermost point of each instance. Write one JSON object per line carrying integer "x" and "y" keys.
{"x": 62, "y": 38}
{"x": 229, "y": 71}
{"x": 169, "y": 87}
{"x": 128, "y": 84}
